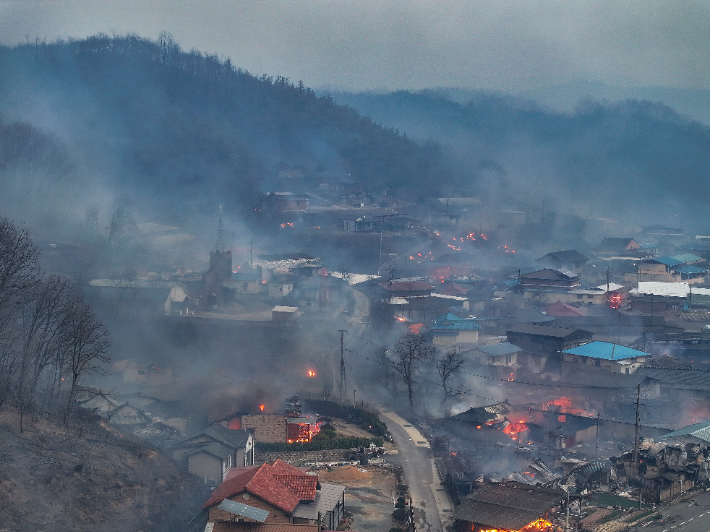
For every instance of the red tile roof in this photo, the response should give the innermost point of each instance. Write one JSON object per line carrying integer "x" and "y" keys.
{"x": 303, "y": 486}
{"x": 277, "y": 483}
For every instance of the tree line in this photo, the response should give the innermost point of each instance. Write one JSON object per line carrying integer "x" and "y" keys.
{"x": 50, "y": 338}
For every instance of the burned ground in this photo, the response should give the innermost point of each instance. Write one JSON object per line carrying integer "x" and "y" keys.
{"x": 88, "y": 476}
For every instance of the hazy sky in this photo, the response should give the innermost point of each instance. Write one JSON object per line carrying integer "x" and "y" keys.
{"x": 412, "y": 44}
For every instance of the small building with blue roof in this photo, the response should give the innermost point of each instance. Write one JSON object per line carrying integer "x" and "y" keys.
{"x": 449, "y": 329}
{"x": 606, "y": 356}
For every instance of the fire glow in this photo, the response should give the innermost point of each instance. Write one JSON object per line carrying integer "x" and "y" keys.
{"x": 311, "y": 373}
{"x": 541, "y": 525}
{"x": 513, "y": 429}
{"x": 302, "y": 432}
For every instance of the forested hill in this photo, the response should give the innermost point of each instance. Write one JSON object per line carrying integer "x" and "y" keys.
{"x": 630, "y": 158}
{"x": 125, "y": 115}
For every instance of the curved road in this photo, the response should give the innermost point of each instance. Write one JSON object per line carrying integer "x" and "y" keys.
{"x": 431, "y": 503}
{"x": 428, "y": 495}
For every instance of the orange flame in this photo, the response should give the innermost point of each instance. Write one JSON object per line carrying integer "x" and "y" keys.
{"x": 311, "y": 373}
{"x": 261, "y": 407}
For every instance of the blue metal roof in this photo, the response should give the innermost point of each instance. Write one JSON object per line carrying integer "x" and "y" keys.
{"x": 684, "y": 258}
{"x": 689, "y": 270}
{"x": 451, "y": 322}
{"x": 699, "y": 430}
{"x": 606, "y": 351}
{"x": 669, "y": 261}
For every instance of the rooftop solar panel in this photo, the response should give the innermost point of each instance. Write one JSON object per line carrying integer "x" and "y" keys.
{"x": 237, "y": 508}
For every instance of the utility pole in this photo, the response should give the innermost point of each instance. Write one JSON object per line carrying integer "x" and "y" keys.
{"x": 596, "y": 450}
{"x": 251, "y": 252}
{"x": 343, "y": 385}
{"x": 636, "y": 436}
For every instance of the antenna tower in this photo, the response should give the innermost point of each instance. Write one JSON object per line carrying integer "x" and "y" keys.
{"x": 220, "y": 232}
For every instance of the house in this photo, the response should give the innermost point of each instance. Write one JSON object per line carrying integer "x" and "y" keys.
{"x": 209, "y": 453}
{"x": 548, "y": 279}
{"x": 508, "y": 506}
{"x": 618, "y": 247}
{"x": 502, "y": 354}
{"x": 684, "y": 267}
{"x": 546, "y": 339}
{"x": 274, "y": 497}
{"x": 246, "y": 280}
{"x": 150, "y": 374}
{"x": 484, "y": 415}
{"x": 569, "y": 431}
{"x": 698, "y": 434}
{"x": 652, "y": 296}
{"x": 559, "y": 309}
{"x": 284, "y": 313}
{"x": 179, "y": 301}
{"x": 360, "y": 224}
{"x": 449, "y": 329}
{"x": 267, "y": 428}
{"x": 606, "y": 356}
{"x": 286, "y": 201}
{"x": 570, "y": 260}
{"x": 543, "y": 345}
{"x": 407, "y": 288}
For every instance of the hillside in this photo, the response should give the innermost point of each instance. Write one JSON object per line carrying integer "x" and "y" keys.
{"x": 88, "y": 477}
{"x": 623, "y": 159}
{"x": 179, "y": 132}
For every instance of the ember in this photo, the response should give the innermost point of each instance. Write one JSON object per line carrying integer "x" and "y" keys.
{"x": 311, "y": 373}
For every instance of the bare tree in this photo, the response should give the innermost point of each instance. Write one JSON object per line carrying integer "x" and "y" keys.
{"x": 19, "y": 274}
{"x": 42, "y": 325}
{"x": 86, "y": 343}
{"x": 408, "y": 355}
{"x": 49, "y": 337}
{"x": 448, "y": 365}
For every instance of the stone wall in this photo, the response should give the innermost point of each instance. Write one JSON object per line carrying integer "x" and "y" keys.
{"x": 294, "y": 457}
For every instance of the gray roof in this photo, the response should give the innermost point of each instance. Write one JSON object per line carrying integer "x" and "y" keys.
{"x": 686, "y": 379}
{"x": 216, "y": 449}
{"x": 503, "y": 348}
{"x": 509, "y": 505}
{"x": 327, "y": 498}
{"x": 545, "y": 330}
{"x": 566, "y": 257}
{"x": 235, "y": 438}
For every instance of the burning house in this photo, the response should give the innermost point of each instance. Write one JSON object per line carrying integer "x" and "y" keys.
{"x": 507, "y": 507}
{"x": 301, "y": 429}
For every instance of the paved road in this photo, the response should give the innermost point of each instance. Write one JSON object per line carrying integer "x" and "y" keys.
{"x": 414, "y": 455}
{"x": 689, "y": 515}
